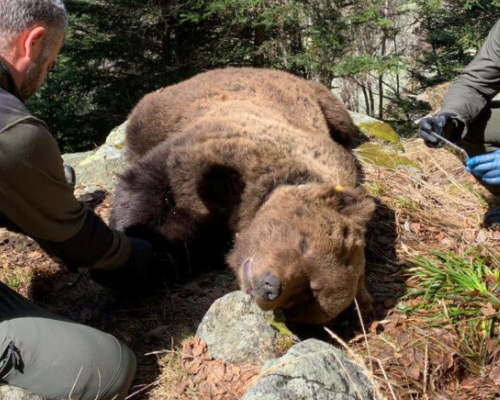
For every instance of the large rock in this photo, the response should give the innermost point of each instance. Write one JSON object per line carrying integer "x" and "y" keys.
{"x": 237, "y": 331}
{"x": 385, "y": 148}
{"x": 311, "y": 370}
{"x": 97, "y": 169}
{"x": 376, "y": 129}
{"x": 14, "y": 393}
{"x": 385, "y": 156}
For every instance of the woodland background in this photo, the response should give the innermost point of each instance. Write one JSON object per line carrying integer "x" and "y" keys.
{"x": 375, "y": 54}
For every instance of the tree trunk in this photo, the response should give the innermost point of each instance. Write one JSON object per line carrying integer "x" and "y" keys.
{"x": 383, "y": 52}
{"x": 371, "y": 98}
{"x": 365, "y": 96}
{"x": 260, "y": 35}
{"x": 381, "y": 97}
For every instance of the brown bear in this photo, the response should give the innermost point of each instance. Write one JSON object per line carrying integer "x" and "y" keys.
{"x": 252, "y": 161}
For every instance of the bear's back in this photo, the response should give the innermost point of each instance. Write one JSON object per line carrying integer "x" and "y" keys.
{"x": 247, "y": 93}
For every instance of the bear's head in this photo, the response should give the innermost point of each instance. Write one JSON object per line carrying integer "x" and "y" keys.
{"x": 304, "y": 251}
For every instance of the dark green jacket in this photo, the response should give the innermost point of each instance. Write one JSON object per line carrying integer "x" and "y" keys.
{"x": 479, "y": 82}
{"x": 35, "y": 197}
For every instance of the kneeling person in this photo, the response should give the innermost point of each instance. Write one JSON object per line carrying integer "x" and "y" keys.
{"x": 470, "y": 118}
{"x": 39, "y": 351}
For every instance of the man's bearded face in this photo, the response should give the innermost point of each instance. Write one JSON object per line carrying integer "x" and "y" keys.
{"x": 34, "y": 78}
{"x": 38, "y": 69}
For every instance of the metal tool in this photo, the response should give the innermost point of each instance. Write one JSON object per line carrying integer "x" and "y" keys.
{"x": 461, "y": 151}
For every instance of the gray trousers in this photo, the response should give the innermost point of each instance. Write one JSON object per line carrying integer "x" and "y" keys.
{"x": 483, "y": 137}
{"x": 59, "y": 359}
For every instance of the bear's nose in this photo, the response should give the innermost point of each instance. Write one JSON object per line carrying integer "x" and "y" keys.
{"x": 268, "y": 287}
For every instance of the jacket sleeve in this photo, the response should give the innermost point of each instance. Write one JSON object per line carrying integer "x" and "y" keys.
{"x": 478, "y": 83}
{"x": 35, "y": 197}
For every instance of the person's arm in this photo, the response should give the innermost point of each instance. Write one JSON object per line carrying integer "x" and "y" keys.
{"x": 35, "y": 196}
{"x": 477, "y": 84}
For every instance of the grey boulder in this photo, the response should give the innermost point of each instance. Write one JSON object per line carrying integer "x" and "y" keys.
{"x": 311, "y": 370}
{"x": 237, "y": 331}
{"x": 14, "y": 393}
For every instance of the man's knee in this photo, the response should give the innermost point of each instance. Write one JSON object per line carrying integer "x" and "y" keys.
{"x": 102, "y": 367}
{"x": 62, "y": 359}
{"x": 119, "y": 387}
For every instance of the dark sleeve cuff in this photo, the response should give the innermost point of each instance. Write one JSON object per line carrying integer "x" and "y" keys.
{"x": 88, "y": 247}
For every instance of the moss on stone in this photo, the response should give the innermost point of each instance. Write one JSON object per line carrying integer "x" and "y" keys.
{"x": 286, "y": 338}
{"x": 380, "y": 131}
{"x": 384, "y": 156}
{"x": 117, "y": 137}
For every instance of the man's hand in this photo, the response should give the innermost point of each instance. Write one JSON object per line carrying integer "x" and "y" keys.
{"x": 140, "y": 270}
{"x": 486, "y": 167}
{"x": 444, "y": 124}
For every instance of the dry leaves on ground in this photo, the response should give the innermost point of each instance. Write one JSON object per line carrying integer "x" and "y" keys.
{"x": 215, "y": 379}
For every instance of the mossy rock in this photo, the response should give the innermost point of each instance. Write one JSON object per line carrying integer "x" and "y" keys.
{"x": 237, "y": 331}
{"x": 14, "y": 393}
{"x": 117, "y": 136}
{"x": 380, "y": 131}
{"x": 97, "y": 169}
{"x": 384, "y": 156}
{"x": 112, "y": 148}
{"x": 286, "y": 338}
{"x": 75, "y": 159}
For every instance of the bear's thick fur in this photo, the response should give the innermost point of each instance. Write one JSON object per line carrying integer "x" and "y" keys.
{"x": 244, "y": 157}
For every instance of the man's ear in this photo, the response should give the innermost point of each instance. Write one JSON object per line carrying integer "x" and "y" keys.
{"x": 33, "y": 42}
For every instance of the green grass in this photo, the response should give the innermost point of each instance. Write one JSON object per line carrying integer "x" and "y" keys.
{"x": 406, "y": 203}
{"x": 13, "y": 281}
{"x": 469, "y": 186}
{"x": 375, "y": 189}
{"x": 463, "y": 293}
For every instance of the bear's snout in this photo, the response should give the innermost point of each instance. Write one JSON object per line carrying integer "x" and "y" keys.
{"x": 268, "y": 287}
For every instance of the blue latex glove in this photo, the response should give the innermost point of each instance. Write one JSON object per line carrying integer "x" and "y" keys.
{"x": 486, "y": 166}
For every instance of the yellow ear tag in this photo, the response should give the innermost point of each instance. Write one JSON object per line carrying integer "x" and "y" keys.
{"x": 339, "y": 188}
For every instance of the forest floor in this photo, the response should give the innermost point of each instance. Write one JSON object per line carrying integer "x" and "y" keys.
{"x": 432, "y": 269}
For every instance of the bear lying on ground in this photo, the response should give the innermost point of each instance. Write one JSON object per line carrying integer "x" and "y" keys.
{"x": 242, "y": 159}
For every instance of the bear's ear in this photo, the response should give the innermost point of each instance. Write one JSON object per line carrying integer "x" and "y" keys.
{"x": 353, "y": 203}
{"x": 358, "y": 204}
